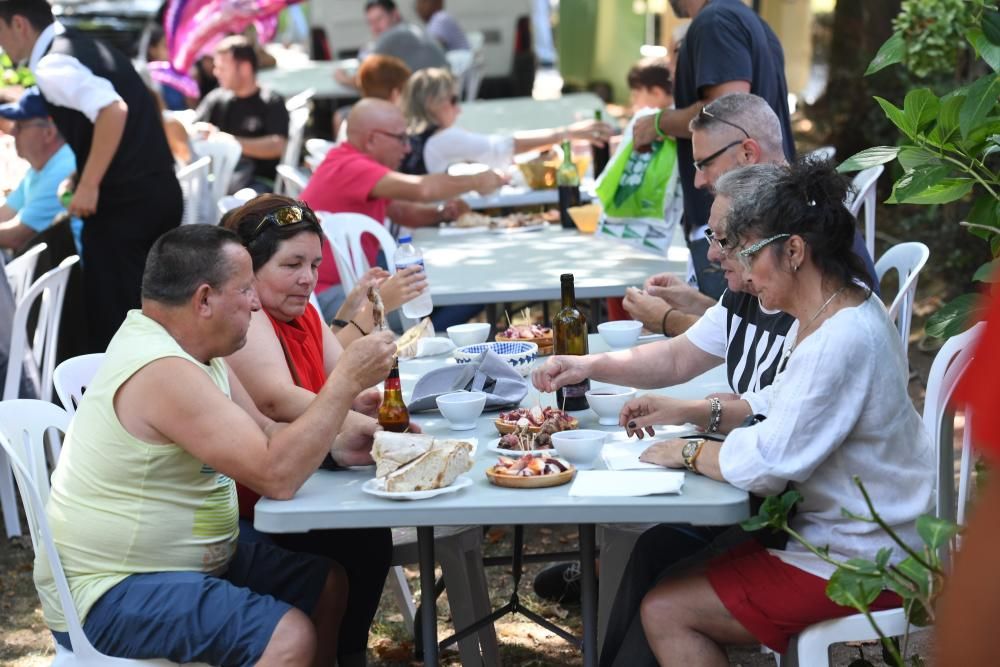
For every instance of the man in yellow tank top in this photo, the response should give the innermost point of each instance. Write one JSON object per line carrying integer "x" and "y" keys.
{"x": 143, "y": 503}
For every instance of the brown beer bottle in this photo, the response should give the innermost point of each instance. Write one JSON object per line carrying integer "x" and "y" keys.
{"x": 392, "y": 414}
{"x": 569, "y": 328}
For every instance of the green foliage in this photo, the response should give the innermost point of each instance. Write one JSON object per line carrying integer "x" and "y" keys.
{"x": 14, "y": 76}
{"x": 931, "y": 34}
{"x": 950, "y": 143}
{"x": 856, "y": 583}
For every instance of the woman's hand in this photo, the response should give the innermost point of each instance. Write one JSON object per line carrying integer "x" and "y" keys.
{"x": 367, "y": 402}
{"x": 453, "y": 209}
{"x": 666, "y": 453}
{"x": 558, "y": 372}
{"x": 595, "y": 131}
{"x": 644, "y": 412}
{"x": 647, "y": 309}
{"x": 403, "y": 286}
{"x": 357, "y": 298}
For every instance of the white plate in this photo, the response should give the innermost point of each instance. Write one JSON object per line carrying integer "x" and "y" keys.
{"x": 519, "y": 230}
{"x": 376, "y": 487}
{"x": 497, "y": 449}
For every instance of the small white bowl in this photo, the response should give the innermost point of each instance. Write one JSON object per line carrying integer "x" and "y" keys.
{"x": 469, "y": 334}
{"x": 620, "y": 333}
{"x": 608, "y": 402}
{"x": 582, "y": 446}
{"x": 462, "y": 408}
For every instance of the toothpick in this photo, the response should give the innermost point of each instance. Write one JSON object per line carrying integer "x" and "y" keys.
{"x": 563, "y": 408}
{"x": 509, "y": 323}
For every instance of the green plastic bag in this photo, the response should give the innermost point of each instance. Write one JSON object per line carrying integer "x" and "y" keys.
{"x": 634, "y": 184}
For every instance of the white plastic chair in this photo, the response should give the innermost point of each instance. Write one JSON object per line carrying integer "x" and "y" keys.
{"x": 907, "y": 259}
{"x": 225, "y": 152}
{"x": 864, "y": 197}
{"x": 72, "y": 376}
{"x": 300, "y": 100}
{"x": 23, "y": 424}
{"x": 297, "y": 121}
{"x": 291, "y": 180}
{"x": 229, "y": 202}
{"x": 194, "y": 185}
{"x": 21, "y": 270}
{"x": 458, "y": 549}
{"x": 812, "y": 645}
{"x": 474, "y": 75}
{"x": 344, "y": 232}
{"x": 318, "y": 148}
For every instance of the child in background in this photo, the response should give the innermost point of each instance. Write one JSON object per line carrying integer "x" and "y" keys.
{"x": 650, "y": 84}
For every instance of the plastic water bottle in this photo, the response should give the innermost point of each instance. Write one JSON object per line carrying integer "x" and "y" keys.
{"x": 406, "y": 255}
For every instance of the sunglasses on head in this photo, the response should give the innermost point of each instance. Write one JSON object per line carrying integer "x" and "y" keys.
{"x": 285, "y": 216}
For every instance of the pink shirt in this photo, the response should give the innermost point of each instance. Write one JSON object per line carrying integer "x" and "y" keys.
{"x": 343, "y": 184}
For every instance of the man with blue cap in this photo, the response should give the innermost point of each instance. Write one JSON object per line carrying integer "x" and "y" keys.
{"x": 33, "y": 205}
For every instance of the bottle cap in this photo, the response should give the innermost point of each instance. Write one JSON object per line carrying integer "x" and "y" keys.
{"x": 405, "y": 239}
{"x": 566, "y": 277}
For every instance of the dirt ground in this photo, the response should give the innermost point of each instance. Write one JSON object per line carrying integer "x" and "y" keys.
{"x": 25, "y": 641}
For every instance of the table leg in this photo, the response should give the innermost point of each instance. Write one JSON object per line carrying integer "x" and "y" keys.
{"x": 588, "y": 593}
{"x": 428, "y": 606}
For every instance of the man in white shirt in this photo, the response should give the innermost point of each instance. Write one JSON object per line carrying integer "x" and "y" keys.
{"x": 34, "y": 204}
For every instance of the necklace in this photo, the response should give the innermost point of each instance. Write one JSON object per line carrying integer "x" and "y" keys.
{"x": 791, "y": 346}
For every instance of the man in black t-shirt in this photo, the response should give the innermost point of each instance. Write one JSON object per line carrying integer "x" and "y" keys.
{"x": 727, "y": 49}
{"x": 255, "y": 117}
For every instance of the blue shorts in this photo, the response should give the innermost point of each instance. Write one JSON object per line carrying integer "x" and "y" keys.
{"x": 196, "y": 617}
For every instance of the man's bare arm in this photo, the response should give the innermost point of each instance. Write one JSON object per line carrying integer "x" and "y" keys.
{"x": 434, "y": 187}
{"x": 271, "y": 147}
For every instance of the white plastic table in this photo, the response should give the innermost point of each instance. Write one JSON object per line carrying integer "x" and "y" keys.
{"x": 292, "y": 76}
{"x": 507, "y": 115}
{"x": 488, "y": 267}
{"x": 335, "y": 500}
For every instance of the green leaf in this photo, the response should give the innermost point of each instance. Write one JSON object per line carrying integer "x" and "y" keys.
{"x": 984, "y": 48}
{"x": 988, "y": 272}
{"x": 896, "y": 115}
{"x": 755, "y": 523}
{"x": 918, "y": 181}
{"x": 883, "y": 556}
{"x": 947, "y": 124}
{"x": 981, "y": 100}
{"x": 991, "y": 25}
{"x": 935, "y": 532}
{"x": 773, "y": 512}
{"x": 890, "y": 53}
{"x": 920, "y": 107}
{"x": 985, "y": 216}
{"x": 942, "y": 192}
{"x": 956, "y": 316}
{"x": 912, "y": 157}
{"x": 864, "y": 566}
{"x": 869, "y": 157}
{"x": 853, "y": 590}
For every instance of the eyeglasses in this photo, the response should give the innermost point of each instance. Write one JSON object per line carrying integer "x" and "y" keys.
{"x": 747, "y": 254}
{"x": 704, "y": 162}
{"x": 284, "y": 216}
{"x": 721, "y": 241}
{"x": 401, "y": 137}
{"x": 708, "y": 114}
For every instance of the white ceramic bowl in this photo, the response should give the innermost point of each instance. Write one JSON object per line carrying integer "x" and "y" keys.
{"x": 620, "y": 333}
{"x": 519, "y": 354}
{"x": 608, "y": 402}
{"x": 462, "y": 408}
{"x": 582, "y": 446}
{"x": 469, "y": 334}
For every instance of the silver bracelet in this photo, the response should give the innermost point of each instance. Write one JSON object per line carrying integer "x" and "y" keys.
{"x": 716, "y": 415}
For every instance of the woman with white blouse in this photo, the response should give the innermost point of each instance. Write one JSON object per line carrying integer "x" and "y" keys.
{"x": 431, "y": 105}
{"x": 838, "y": 408}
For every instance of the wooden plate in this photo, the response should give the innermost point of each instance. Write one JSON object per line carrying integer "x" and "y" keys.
{"x": 534, "y": 482}
{"x": 507, "y": 427}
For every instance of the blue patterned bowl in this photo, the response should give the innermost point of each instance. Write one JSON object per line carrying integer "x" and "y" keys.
{"x": 519, "y": 354}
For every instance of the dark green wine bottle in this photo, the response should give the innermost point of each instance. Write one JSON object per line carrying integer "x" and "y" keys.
{"x": 568, "y": 182}
{"x": 601, "y": 153}
{"x": 570, "y": 332}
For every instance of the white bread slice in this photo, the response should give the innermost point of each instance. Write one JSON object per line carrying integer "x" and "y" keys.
{"x": 393, "y": 450}
{"x": 435, "y": 469}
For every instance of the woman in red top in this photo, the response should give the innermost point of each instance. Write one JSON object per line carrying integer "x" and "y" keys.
{"x": 287, "y": 357}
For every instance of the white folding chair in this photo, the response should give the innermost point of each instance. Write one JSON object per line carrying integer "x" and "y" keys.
{"x": 458, "y": 549}
{"x": 474, "y": 75}
{"x": 72, "y": 376}
{"x": 300, "y": 100}
{"x": 812, "y": 645}
{"x": 229, "y": 202}
{"x": 297, "y": 121}
{"x": 21, "y": 270}
{"x": 460, "y": 62}
{"x": 291, "y": 180}
{"x": 864, "y": 197}
{"x": 225, "y": 152}
{"x": 23, "y": 424}
{"x": 907, "y": 259}
{"x": 318, "y": 148}
{"x": 344, "y": 232}
{"x": 194, "y": 185}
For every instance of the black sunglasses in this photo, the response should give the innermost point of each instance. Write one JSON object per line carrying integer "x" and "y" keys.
{"x": 285, "y": 216}
{"x": 721, "y": 241}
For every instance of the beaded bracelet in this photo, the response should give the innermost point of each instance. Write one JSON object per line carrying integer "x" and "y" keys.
{"x": 716, "y": 414}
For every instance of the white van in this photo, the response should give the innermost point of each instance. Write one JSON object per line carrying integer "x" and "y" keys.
{"x": 506, "y": 29}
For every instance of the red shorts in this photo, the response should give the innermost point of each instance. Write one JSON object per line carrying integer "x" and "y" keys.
{"x": 773, "y": 600}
